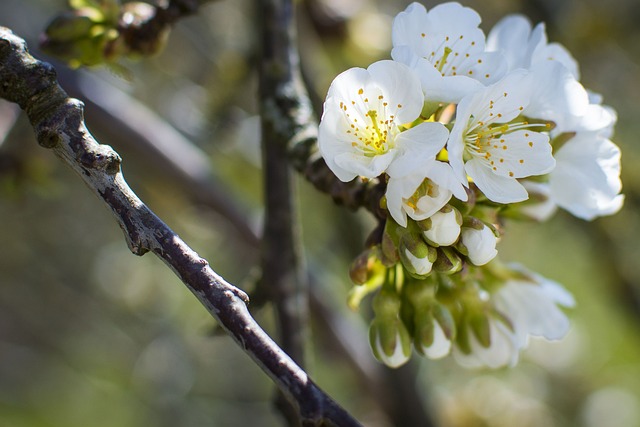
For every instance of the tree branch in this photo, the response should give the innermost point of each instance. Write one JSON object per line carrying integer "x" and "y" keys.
{"x": 59, "y": 125}
{"x": 278, "y": 74}
{"x": 145, "y": 34}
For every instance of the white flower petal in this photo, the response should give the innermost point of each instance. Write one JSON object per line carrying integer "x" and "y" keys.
{"x": 520, "y": 154}
{"x": 558, "y": 53}
{"x": 498, "y": 188}
{"x": 398, "y": 83}
{"x": 441, "y": 345}
{"x": 418, "y": 146}
{"x": 502, "y": 351}
{"x": 397, "y": 358}
{"x": 532, "y": 307}
{"x": 442, "y": 174}
{"x": 368, "y": 167}
{"x": 586, "y": 181}
{"x": 559, "y": 97}
{"x": 513, "y": 38}
{"x": 435, "y": 87}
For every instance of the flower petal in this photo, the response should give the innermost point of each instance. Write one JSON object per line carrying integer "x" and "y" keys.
{"x": 498, "y": 188}
{"x": 521, "y": 154}
{"x": 417, "y": 147}
{"x": 586, "y": 181}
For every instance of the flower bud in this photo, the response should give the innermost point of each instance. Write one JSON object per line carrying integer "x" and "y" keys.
{"x": 443, "y": 227}
{"x": 389, "y": 243}
{"x": 366, "y": 266}
{"x": 480, "y": 244}
{"x": 434, "y": 330}
{"x": 388, "y": 336}
{"x": 448, "y": 261}
{"x": 416, "y": 256}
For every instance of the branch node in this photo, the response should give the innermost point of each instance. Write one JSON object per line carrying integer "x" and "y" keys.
{"x": 101, "y": 157}
{"x": 49, "y": 138}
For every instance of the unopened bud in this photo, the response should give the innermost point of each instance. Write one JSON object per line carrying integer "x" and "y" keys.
{"x": 480, "y": 244}
{"x": 366, "y": 266}
{"x": 389, "y": 243}
{"x": 390, "y": 341}
{"x": 443, "y": 227}
{"x": 388, "y": 336}
{"x": 448, "y": 261}
{"x": 434, "y": 330}
{"x": 416, "y": 256}
{"x": 481, "y": 328}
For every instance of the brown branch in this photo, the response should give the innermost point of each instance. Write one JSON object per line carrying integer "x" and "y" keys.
{"x": 145, "y": 34}
{"x": 281, "y": 278}
{"x": 59, "y": 125}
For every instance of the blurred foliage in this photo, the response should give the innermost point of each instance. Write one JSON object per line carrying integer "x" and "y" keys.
{"x": 91, "y": 335}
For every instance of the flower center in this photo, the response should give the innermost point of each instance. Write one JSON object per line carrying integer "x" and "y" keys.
{"x": 426, "y": 188}
{"x": 455, "y": 54}
{"x": 374, "y": 133}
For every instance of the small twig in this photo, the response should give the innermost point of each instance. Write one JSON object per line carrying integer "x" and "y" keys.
{"x": 144, "y": 36}
{"x": 59, "y": 125}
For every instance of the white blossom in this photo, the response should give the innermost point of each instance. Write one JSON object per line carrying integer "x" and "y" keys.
{"x": 521, "y": 308}
{"x": 533, "y": 308}
{"x": 361, "y": 132}
{"x": 488, "y": 144}
{"x": 446, "y": 48}
{"x": 423, "y": 192}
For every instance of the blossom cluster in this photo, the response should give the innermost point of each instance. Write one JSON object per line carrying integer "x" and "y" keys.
{"x": 465, "y": 131}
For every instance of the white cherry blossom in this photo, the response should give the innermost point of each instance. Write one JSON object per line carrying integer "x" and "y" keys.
{"x": 493, "y": 146}
{"x": 533, "y": 308}
{"x": 446, "y": 48}
{"x": 524, "y": 46}
{"x": 521, "y": 308}
{"x": 423, "y": 192}
{"x": 361, "y": 132}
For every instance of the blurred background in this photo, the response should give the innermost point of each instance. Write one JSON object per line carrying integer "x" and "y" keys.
{"x": 91, "y": 335}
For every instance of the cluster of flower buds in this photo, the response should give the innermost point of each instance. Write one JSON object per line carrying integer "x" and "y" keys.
{"x": 93, "y": 32}
{"x": 466, "y": 131}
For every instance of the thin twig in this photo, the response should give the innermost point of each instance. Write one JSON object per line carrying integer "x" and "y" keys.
{"x": 59, "y": 125}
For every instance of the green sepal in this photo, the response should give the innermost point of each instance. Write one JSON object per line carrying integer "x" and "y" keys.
{"x": 448, "y": 261}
